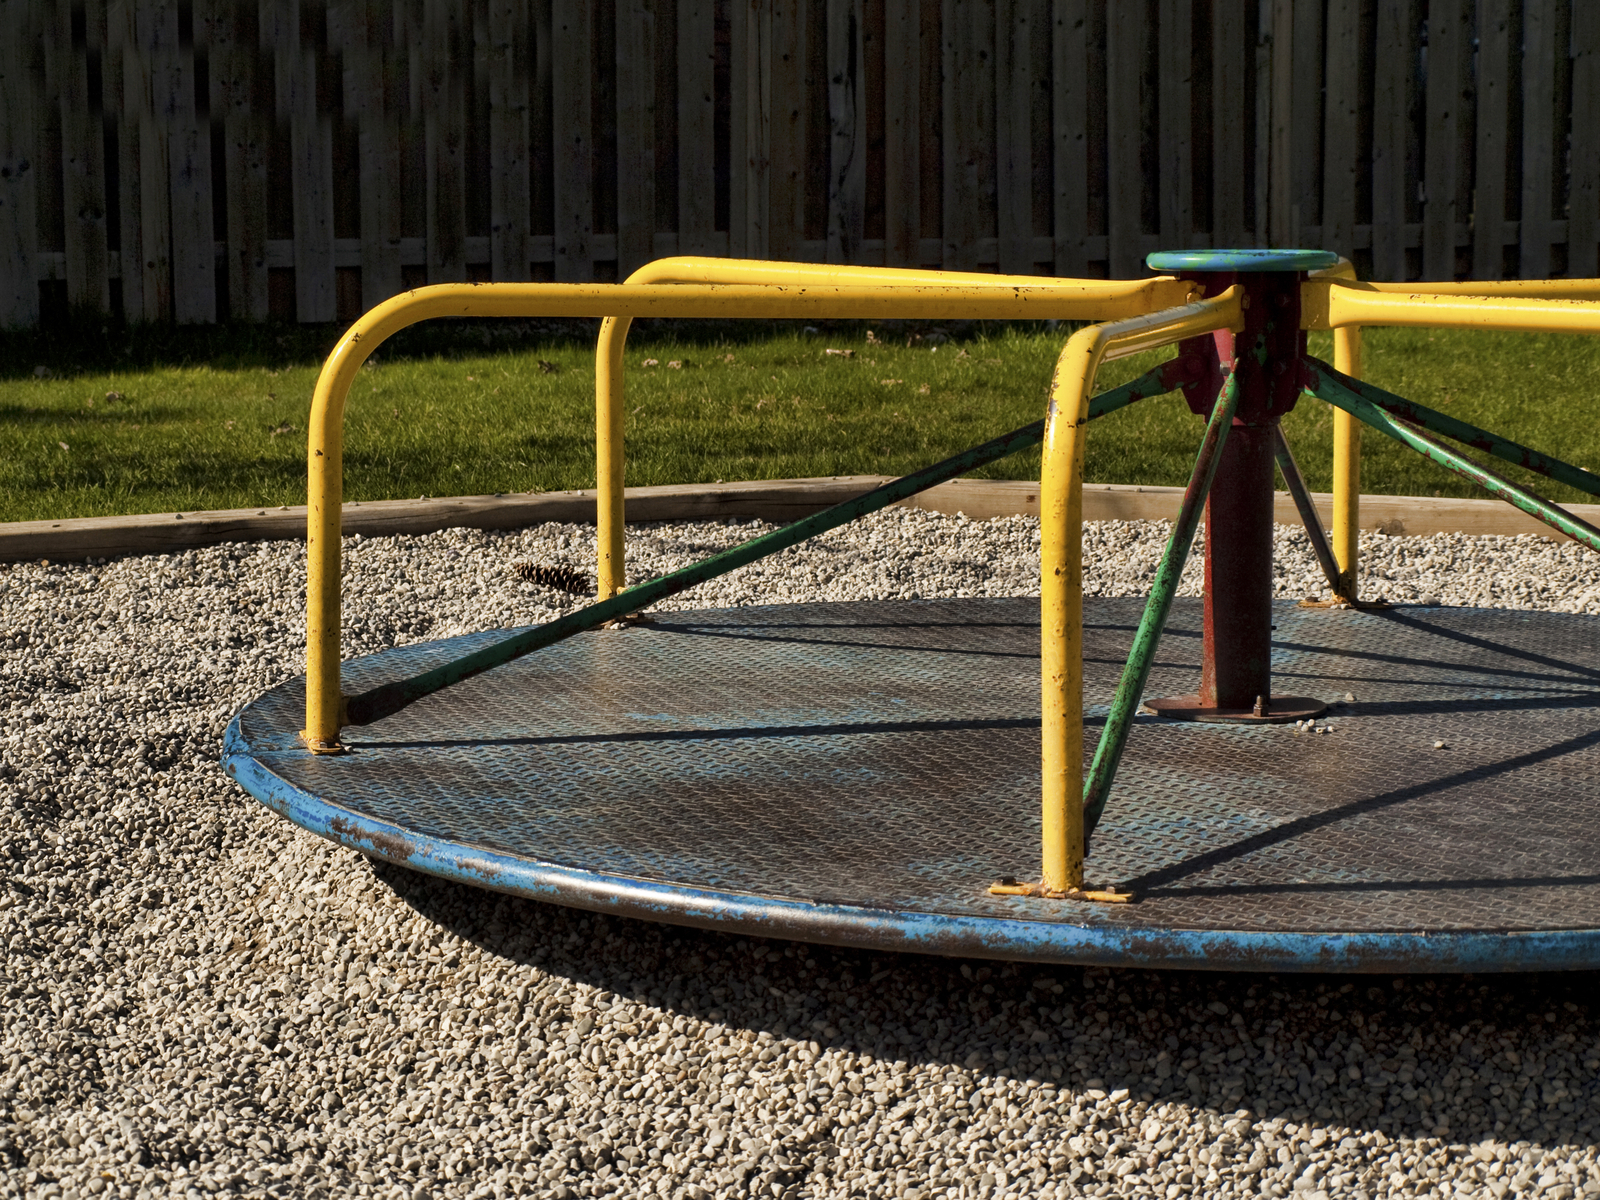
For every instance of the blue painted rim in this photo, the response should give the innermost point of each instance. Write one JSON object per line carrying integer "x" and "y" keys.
{"x": 1396, "y": 952}
{"x": 1241, "y": 260}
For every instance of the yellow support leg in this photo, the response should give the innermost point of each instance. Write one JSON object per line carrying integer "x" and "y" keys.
{"x": 1061, "y": 580}
{"x": 608, "y": 456}
{"x": 1061, "y": 612}
{"x": 611, "y": 569}
{"x": 1347, "y": 471}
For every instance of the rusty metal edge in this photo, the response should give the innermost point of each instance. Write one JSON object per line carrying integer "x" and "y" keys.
{"x": 1086, "y": 941}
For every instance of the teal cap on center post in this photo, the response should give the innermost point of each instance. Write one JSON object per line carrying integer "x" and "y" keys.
{"x": 1241, "y": 260}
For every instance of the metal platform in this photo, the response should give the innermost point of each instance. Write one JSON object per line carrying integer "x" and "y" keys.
{"x": 859, "y": 773}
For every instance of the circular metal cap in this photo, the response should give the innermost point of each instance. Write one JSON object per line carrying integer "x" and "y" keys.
{"x": 1241, "y": 260}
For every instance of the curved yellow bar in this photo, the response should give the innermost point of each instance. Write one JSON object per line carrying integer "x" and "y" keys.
{"x": 1510, "y": 304}
{"x": 1333, "y": 304}
{"x": 610, "y": 460}
{"x": 1527, "y": 289}
{"x": 1163, "y": 291}
{"x": 325, "y": 436}
{"x": 1347, "y": 471}
{"x": 1061, "y": 560}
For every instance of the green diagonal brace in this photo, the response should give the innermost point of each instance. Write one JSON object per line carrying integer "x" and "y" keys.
{"x": 1130, "y": 691}
{"x": 1468, "y": 435}
{"x": 390, "y": 698}
{"x": 1331, "y": 386}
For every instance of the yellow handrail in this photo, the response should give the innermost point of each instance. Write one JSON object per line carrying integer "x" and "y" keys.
{"x": 1347, "y": 471}
{"x": 1061, "y": 561}
{"x": 325, "y": 436}
{"x": 1333, "y": 299}
{"x": 1527, "y": 289}
{"x": 609, "y": 418}
{"x": 1336, "y": 304}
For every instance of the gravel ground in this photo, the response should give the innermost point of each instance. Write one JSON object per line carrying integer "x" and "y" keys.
{"x": 200, "y": 999}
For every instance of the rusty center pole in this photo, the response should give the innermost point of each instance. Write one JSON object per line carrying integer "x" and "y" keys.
{"x": 1236, "y": 675}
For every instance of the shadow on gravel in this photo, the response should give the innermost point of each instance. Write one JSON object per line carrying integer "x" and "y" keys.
{"x": 1396, "y": 1054}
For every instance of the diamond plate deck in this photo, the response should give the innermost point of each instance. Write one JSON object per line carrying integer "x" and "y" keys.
{"x": 858, "y": 773}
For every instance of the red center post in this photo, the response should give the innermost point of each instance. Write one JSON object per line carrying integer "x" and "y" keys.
{"x": 1236, "y": 675}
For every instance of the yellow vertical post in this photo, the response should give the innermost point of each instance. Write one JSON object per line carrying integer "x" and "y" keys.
{"x": 324, "y": 506}
{"x": 611, "y": 571}
{"x": 1347, "y": 470}
{"x": 1061, "y": 611}
{"x": 1061, "y": 569}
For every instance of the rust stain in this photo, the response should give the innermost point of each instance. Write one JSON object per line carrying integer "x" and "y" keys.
{"x": 395, "y": 847}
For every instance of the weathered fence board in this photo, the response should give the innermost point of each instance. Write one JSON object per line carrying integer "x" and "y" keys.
{"x": 847, "y": 128}
{"x": 19, "y": 222}
{"x": 786, "y": 181}
{"x": 194, "y": 273}
{"x": 1015, "y": 24}
{"x": 1538, "y": 139}
{"x": 1390, "y": 60}
{"x": 246, "y": 134}
{"x": 1341, "y": 123}
{"x": 1125, "y": 45}
{"x": 439, "y": 140}
{"x": 444, "y": 59}
{"x": 1229, "y": 53}
{"x": 82, "y": 159}
{"x": 1449, "y": 36}
{"x": 967, "y": 32}
{"x": 739, "y": 132}
{"x": 1583, "y": 203}
{"x": 697, "y": 176}
{"x": 902, "y": 143}
{"x": 510, "y": 200}
{"x": 636, "y": 134}
{"x": 1070, "y": 112}
{"x": 1304, "y": 120}
{"x": 1493, "y": 116}
{"x": 1175, "y": 136}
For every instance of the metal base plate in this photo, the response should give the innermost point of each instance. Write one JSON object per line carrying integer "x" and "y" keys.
{"x": 1280, "y": 710}
{"x": 860, "y": 773}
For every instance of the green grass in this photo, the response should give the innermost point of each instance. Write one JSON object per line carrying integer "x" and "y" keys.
{"x": 449, "y": 417}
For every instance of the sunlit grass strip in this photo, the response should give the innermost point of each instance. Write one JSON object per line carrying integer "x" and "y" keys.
{"x": 197, "y": 437}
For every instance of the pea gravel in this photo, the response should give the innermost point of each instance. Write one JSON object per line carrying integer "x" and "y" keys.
{"x": 200, "y": 999}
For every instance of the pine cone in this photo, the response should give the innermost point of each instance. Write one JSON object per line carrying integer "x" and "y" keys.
{"x": 562, "y": 579}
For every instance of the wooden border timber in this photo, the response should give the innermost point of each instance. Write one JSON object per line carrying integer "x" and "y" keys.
{"x": 771, "y": 500}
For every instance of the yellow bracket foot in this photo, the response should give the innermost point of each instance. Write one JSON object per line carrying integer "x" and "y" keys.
{"x": 319, "y": 747}
{"x": 1106, "y": 895}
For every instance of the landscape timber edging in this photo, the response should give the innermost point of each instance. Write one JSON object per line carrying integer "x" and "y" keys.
{"x": 774, "y": 500}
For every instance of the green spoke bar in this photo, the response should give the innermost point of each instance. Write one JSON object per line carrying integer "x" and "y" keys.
{"x": 383, "y": 701}
{"x": 1296, "y": 484}
{"x": 1114, "y": 737}
{"x": 1329, "y": 385}
{"x": 1467, "y": 435}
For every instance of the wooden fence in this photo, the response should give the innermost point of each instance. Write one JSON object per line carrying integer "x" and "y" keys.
{"x": 200, "y": 159}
